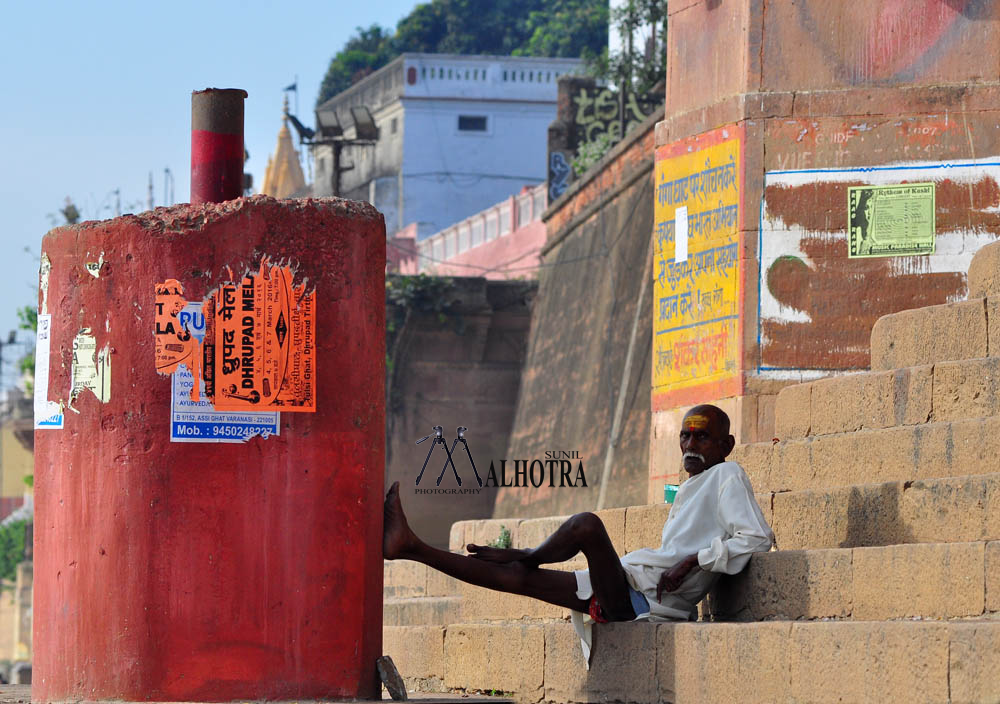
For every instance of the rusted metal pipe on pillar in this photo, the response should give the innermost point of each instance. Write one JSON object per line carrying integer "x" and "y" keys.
{"x": 217, "y": 144}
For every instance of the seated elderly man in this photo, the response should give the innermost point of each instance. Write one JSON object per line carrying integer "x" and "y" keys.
{"x": 713, "y": 527}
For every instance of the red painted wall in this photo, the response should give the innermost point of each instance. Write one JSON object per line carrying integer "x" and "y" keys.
{"x": 176, "y": 571}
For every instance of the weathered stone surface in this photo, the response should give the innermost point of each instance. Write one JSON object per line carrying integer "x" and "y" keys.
{"x": 991, "y": 510}
{"x": 972, "y": 446}
{"x": 951, "y": 509}
{"x": 928, "y": 451}
{"x": 404, "y": 578}
{"x": 792, "y": 411}
{"x": 786, "y": 585}
{"x": 870, "y": 401}
{"x": 993, "y": 576}
{"x": 993, "y": 326}
{"x": 644, "y": 526}
{"x": 417, "y": 651}
{"x": 756, "y": 460}
{"x": 932, "y": 580}
{"x": 928, "y": 335}
{"x": 479, "y": 604}
{"x": 506, "y": 657}
{"x": 614, "y": 522}
{"x": 722, "y": 662}
{"x": 440, "y": 584}
{"x": 421, "y": 611}
{"x": 966, "y": 389}
{"x": 844, "y": 517}
{"x": 974, "y": 654}
{"x": 866, "y": 661}
{"x": 800, "y": 661}
{"x": 565, "y": 672}
{"x": 984, "y": 272}
{"x": 948, "y": 509}
{"x": 456, "y": 537}
{"x": 621, "y": 667}
{"x": 533, "y": 531}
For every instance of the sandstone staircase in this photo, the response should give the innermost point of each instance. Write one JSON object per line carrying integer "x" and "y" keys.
{"x": 883, "y": 490}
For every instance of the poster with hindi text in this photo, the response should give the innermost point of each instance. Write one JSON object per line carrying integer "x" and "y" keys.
{"x": 697, "y": 289}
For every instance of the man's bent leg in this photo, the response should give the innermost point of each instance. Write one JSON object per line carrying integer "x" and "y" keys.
{"x": 583, "y": 531}
{"x": 401, "y": 543}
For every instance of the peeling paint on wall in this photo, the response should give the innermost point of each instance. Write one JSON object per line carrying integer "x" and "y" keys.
{"x": 94, "y": 268}
{"x": 44, "y": 269}
{"x": 91, "y": 369}
{"x": 817, "y": 307}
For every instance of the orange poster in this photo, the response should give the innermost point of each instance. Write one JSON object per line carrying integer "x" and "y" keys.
{"x": 259, "y": 350}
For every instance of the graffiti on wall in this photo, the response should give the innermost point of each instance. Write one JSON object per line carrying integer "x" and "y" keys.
{"x": 559, "y": 174}
{"x": 817, "y": 306}
{"x": 597, "y": 113}
{"x": 697, "y": 290}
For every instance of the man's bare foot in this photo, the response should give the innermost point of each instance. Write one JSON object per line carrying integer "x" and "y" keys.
{"x": 397, "y": 538}
{"x": 498, "y": 555}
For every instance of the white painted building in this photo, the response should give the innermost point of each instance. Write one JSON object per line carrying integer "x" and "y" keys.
{"x": 457, "y": 134}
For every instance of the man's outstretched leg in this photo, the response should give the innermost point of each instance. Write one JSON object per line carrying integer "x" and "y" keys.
{"x": 517, "y": 571}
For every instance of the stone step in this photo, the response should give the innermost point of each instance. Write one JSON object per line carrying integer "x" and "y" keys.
{"x": 407, "y": 579}
{"x": 902, "y": 453}
{"x": 793, "y": 661}
{"x": 939, "y": 392}
{"x": 421, "y": 610}
{"x": 924, "y": 580}
{"x": 952, "y": 509}
{"x": 984, "y": 272}
{"x": 941, "y": 333}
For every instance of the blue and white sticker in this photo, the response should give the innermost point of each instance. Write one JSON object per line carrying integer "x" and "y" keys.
{"x": 192, "y": 421}
{"x": 48, "y": 414}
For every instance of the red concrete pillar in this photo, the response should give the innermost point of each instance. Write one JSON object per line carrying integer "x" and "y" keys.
{"x": 217, "y": 144}
{"x": 196, "y": 571}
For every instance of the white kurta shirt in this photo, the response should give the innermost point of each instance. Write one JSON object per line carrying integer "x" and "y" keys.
{"x": 715, "y": 516}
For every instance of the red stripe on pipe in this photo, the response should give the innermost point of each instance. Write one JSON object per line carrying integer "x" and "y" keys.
{"x": 216, "y": 166}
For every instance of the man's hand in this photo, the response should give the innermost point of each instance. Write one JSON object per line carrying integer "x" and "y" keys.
{"x": 671, "y": 579}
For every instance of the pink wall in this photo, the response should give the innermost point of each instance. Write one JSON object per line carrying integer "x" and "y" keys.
{"x": 511, "y": 256}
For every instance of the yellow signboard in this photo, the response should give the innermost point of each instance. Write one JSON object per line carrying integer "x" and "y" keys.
{"x": 697, "y": 291}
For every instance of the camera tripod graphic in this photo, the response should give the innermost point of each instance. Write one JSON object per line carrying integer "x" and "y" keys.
{"x": 438, "y": 436}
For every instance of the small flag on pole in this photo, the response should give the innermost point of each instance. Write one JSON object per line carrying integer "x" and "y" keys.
{"x": 293, "y": 86}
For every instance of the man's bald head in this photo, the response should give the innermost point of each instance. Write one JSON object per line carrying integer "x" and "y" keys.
{"x": 705, "y": 438}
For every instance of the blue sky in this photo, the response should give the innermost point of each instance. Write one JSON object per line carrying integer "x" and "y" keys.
{"x": 98, "y": 94}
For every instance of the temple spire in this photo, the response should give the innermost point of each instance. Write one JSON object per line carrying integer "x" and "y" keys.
{"x": 283, "y": 177}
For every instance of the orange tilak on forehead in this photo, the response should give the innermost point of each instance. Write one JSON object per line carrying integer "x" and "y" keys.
{"x": 696, "y": 422}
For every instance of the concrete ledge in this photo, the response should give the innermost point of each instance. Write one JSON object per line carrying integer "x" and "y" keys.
{"x": 802, "y": 661}
{"x": 933, "y": 334}
{"x": 906, "y": 453}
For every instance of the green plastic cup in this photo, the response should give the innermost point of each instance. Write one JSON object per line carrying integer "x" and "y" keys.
{"x": 670, "y": 492}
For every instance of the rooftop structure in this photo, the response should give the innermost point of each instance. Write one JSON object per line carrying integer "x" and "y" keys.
{"x": 456, "y": 134}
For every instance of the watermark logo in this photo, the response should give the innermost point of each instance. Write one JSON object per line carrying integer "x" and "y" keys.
{"x": 555, "y": 470}
{"x": 562, "y": 468}
{"x": 439, "y": 439}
